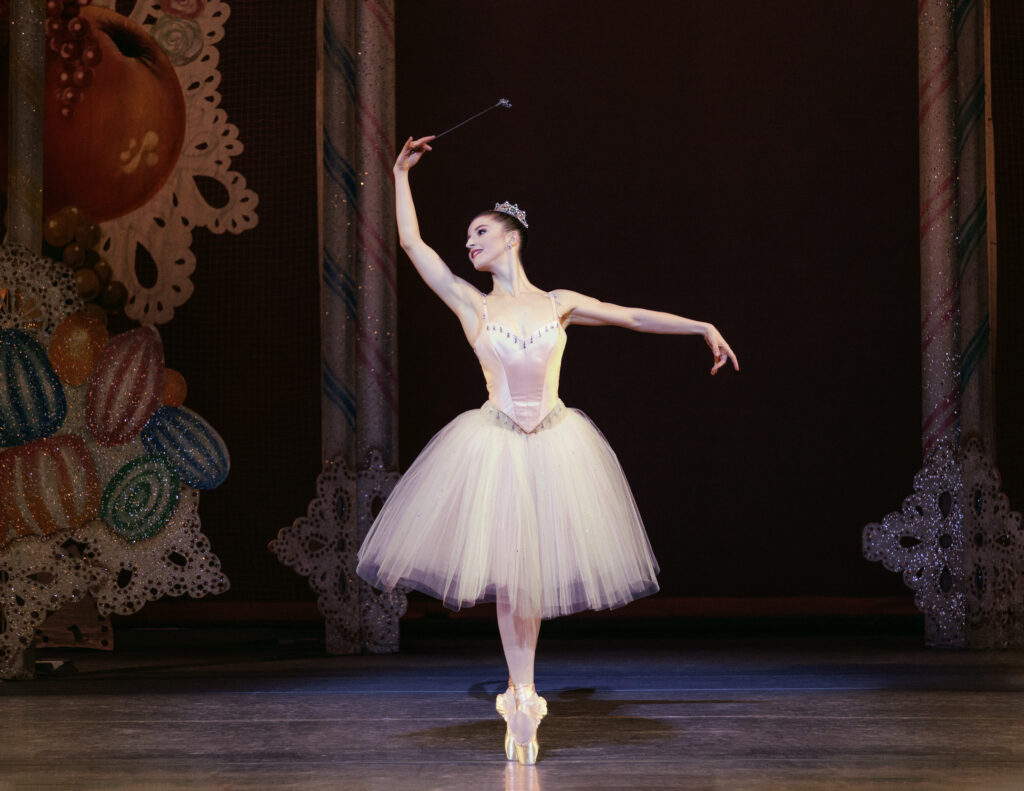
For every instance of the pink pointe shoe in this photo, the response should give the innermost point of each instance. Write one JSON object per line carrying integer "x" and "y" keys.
{"x": 530, "y": 709}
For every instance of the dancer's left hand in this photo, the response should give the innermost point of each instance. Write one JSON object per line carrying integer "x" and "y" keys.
{"x": 722, "y": 351}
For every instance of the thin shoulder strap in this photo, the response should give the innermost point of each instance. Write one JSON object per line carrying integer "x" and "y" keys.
{"x": 554, "y": 306}
{"x": 485, "y": 306}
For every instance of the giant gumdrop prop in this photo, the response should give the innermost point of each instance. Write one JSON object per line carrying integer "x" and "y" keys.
{"x": 32, "y": 402}
{"x": 126, "y": 387}
{"x": 76, "y": 346}
{"x": 190, "y": 444}
{"x": 47, "y": 486}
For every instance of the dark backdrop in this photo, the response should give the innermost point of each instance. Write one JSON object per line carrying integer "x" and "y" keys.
{"x": 750, "y": 164}
{"x": 746, "y": 163}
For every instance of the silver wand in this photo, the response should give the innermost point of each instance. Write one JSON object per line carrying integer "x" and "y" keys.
{"x": 500, "y": 103}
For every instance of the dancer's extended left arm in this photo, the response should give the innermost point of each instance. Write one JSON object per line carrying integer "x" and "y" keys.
{"x": 580, "y": 309}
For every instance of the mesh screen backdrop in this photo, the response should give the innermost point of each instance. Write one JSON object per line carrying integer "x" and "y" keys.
{"x": 248, "y": 339}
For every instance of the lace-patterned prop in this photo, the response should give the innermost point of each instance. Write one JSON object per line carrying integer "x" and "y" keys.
{"x": 39, "y": 576}
{"x": 322, "y": 546}
{"x": 503, "y": 103}
{"x": 960, "y": 548}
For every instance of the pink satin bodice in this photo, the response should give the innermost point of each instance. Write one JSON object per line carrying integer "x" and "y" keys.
{"x": 521, "y": 373}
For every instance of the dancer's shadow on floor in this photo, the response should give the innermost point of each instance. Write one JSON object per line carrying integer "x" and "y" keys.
{"x": 577, "y": 720}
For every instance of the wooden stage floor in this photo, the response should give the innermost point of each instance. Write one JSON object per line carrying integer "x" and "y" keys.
{"x": 260, "y": 708}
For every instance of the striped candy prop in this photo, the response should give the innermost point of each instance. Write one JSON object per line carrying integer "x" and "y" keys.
{"x": 47, "y": 486}
{"x": 190, "y": 444}
{"x": 141, "y": 497}
{"x": 32, "y": 402}
{"x": 126, "y": 387}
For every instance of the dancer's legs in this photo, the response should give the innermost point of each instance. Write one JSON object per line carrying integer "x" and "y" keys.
{"x": 519, "y": 641}
{"x": 521, "y": 706}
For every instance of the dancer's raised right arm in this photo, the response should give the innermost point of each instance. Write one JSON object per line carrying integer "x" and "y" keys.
{"x": 455, "y": 292}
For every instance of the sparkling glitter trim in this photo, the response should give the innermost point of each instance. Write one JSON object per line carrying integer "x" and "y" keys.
{"x": 323, "y": 546}
{"x": 552, "y": 419}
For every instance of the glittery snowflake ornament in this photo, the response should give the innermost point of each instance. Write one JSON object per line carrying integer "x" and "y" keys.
{"x": 323, "y": 546}
{"x": 960, "y": 548}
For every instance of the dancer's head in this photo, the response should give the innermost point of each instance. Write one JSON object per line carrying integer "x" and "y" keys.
{"x": 493, "y": 234}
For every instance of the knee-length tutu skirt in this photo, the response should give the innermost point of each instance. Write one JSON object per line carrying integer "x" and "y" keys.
{"x": 544, "y": 522}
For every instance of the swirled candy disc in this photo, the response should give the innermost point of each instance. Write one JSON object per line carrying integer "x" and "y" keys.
{"x": 126, "y": 386}
{"x": 47, "y": 486}
{"x": 141, "y": 497}
{"x": 32, "y": 403}
{"x": 190, "y": 443}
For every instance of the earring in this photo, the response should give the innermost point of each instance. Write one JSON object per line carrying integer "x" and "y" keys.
{"x": 508, "y": 245}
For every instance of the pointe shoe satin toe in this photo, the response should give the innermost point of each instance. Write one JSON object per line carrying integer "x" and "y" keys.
{"x": 530, "y": 709}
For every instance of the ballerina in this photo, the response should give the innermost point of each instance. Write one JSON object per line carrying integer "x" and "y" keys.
{"x": 522, "y": 502}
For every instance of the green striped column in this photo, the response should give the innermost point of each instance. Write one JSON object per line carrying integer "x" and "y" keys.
{"x": 976, "y": 386}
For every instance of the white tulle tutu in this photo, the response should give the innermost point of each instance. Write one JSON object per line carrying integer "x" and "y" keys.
{"x": 544, "y": 521}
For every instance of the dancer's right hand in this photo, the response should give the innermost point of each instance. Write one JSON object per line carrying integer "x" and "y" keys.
{"x": 412, "y": 152}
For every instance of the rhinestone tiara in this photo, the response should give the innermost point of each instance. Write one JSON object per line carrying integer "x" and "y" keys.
{"x": 512, "y": 210}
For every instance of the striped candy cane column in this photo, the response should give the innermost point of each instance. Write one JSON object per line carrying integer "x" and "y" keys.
{"x": 25, "y": 124}
{"x": 359, "y": 376}
{"x": 359, "y": 292}
{"x": 975, "y": 373}
{"x": 955, "y": 540}
{"x": 940, "y": 286}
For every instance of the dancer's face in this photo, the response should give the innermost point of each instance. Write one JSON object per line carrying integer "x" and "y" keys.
{"x": 485, "y": 241}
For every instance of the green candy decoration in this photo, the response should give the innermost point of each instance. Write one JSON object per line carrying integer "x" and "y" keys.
{"x": 141, "y": 497}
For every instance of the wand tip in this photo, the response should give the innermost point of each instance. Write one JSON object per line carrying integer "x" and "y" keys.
{"x": 504, "y": 103}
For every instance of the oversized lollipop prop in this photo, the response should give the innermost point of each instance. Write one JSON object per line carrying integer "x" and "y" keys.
{"x": 505, "y": 103}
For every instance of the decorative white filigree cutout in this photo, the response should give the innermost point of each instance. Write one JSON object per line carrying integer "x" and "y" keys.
{"x": 960, "y": 548}
{"x": 924, "y": 541}
{"x": 36, "y": 293}
{"x": 993, "y": 556}
{"x": 164, "y": 225}
{"x": 323, "y": 546}
{"x": 40, "y": 575}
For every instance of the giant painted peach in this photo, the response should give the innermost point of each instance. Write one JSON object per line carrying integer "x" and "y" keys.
{"x": 119, "y": 141}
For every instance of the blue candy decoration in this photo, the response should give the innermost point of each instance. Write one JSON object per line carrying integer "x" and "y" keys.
{"x": 32, "y": 402}
{"x": 190, "y": 443}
